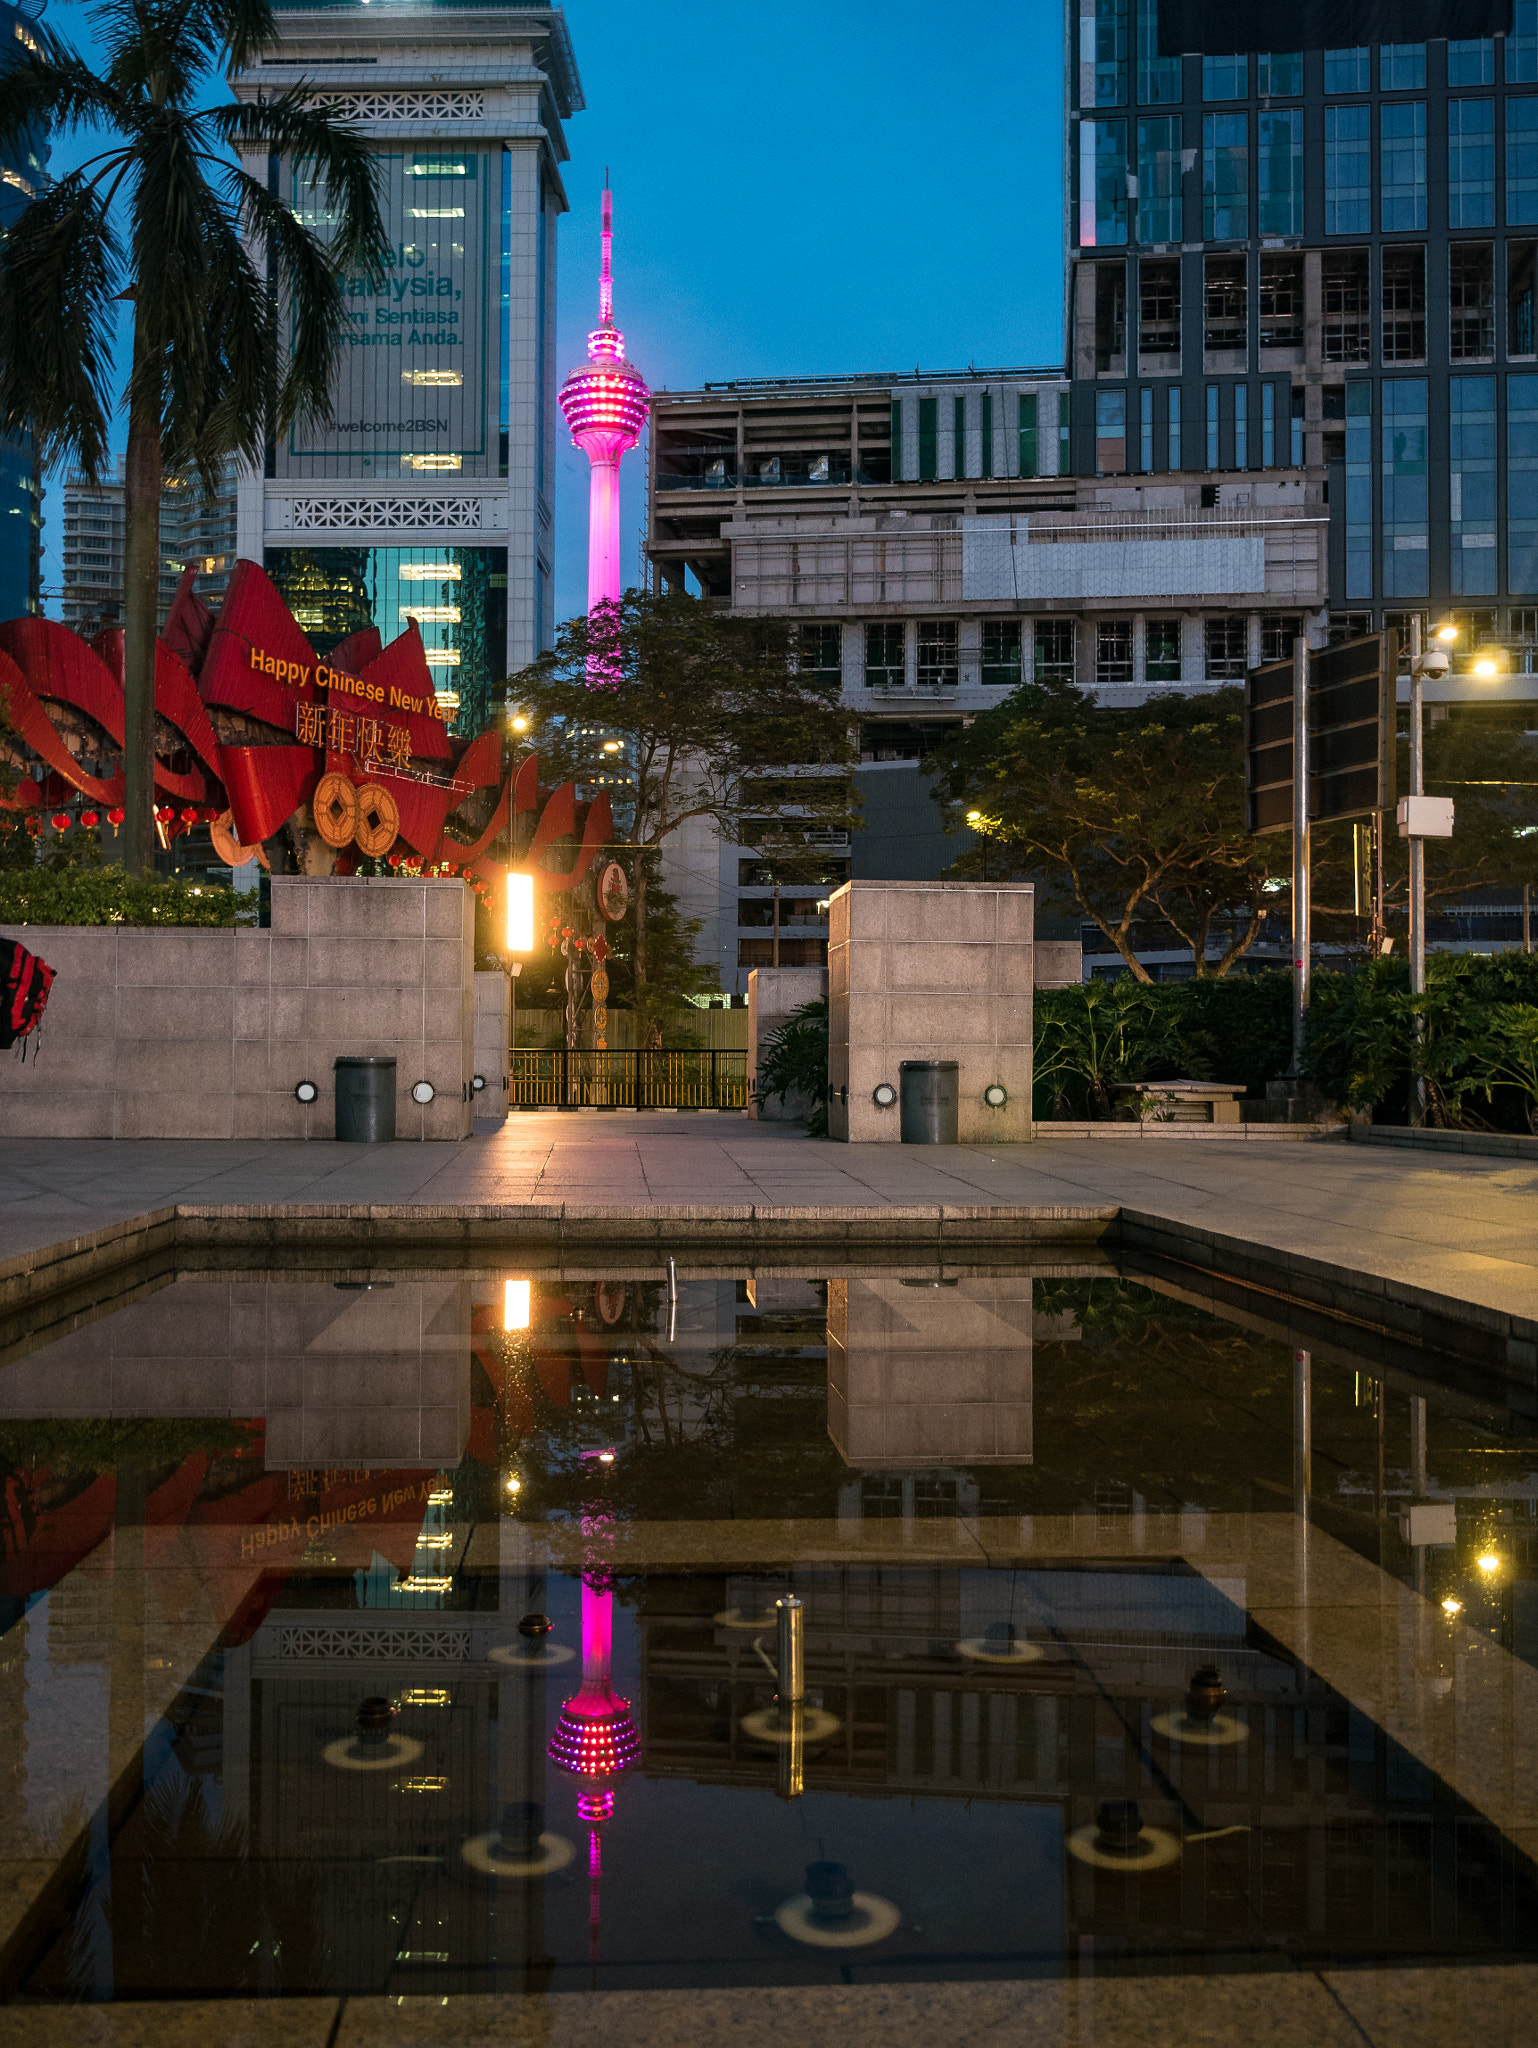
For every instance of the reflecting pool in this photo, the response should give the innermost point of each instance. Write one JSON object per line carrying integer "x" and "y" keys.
{"x": 426, "y": 1630}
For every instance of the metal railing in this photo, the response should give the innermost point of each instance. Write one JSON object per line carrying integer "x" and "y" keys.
{"x": 587, "y": 1079}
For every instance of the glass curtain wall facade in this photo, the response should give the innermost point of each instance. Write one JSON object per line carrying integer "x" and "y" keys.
{"x": 1333, "y": 253}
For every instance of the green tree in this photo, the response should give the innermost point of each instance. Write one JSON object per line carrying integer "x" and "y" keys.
{"x": 165, "y": 218}
{"x": 703, "y": 716}
{"x": 1132, "y": 814}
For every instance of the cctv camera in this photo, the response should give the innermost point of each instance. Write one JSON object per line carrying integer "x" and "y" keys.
{"x": 1434, "y": 662}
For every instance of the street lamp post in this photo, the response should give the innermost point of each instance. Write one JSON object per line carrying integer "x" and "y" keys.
{"x": 1424, "y": 661}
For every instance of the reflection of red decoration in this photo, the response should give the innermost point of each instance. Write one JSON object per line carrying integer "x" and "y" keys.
{"x": 90, "y": 818}
{"x": 116, "y": 815}
{"x": 60, "y": 821}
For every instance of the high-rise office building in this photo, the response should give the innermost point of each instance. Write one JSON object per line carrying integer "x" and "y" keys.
{"x": 430, "y": 494}
{"x": 23, "y": 169}
{"x": 1323, "y": 258}
{"x": 197, "y": 531}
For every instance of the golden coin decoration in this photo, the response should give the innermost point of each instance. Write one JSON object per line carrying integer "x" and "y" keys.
{"x": 228, "y": 846}
{"x": 600, "y": 984}
{"x": 600, "y": 1017}
{"x": 379, "y": 821}
{"x": 335, "y": 809}
{"x": 613, "y": 892}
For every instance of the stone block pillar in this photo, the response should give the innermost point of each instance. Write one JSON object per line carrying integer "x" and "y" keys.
{"x": 493, "y": 1040}
{"x": 773, "y": 992}
{"x": 925, "y": 971}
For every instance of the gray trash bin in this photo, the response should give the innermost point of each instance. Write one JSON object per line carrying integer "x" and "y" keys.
{"x": 365, "y": 1099}
{"x": 930, "y": 1098}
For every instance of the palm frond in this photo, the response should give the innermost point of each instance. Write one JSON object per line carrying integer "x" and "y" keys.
{"x": 309, "y": 297}
{"x": 224, "y": 410}
{"x": 55, "y": 90}
{"x": 333, "y": 154}
{"x": 59, "y": 270}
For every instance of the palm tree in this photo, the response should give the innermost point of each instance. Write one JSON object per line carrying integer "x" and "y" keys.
{"x": 224, "y": 357}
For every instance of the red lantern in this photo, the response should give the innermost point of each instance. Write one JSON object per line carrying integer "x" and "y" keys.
{"x": 190, "y": 814}
{"x": 90, "y": 817}
{"x": 33, "y": 824}
{"x": 210, "y": 816}
{"x": 115, "y": 816}
{"x": 61, "y": 821}
{"x": 395, "y": 860}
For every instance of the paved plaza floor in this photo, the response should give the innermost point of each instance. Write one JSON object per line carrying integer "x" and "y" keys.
{"x": 1458, "y": 1226}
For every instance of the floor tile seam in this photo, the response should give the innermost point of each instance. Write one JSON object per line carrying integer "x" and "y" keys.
{"x": 1341, "y": 2006}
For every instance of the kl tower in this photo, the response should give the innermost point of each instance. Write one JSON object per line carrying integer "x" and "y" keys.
{"x": 606, "y": 403}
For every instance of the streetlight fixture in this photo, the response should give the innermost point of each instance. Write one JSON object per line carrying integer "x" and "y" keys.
{"x": 1430, "y": 661}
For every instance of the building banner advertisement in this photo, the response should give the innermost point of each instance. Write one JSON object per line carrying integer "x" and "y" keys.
{"x": 411, "y": 397}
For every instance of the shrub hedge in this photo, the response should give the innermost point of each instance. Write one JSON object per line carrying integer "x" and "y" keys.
{"x": 108, "y": 896}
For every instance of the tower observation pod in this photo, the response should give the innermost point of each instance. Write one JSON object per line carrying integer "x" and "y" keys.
{"x": 605, "y": 402}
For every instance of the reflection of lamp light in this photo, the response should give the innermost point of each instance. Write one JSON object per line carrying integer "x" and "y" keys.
{"x": 515, "y": 1305}
{"x": 1450, "y": 1606}
{"x": 1489, "y": 1563}
{"x": 514, "y": 1483}
{"x": 520, "y": 913}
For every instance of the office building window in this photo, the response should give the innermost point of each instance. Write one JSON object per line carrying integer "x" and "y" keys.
{"x": 1523, "y": 641}
{"x": 1054, "y": 650}
{"x": 1471, "y": 484}
{"x": 1347, "y": 170}
{"x": 1225, "y": 321}
{"x": 1406, "y": 564}
{"x": 1241, "y": 426}
{"x": 1225, "y": 177}
{"x": 959, "y": 438}
{"x": 1161, "y": 661}
{"x": 1103, "y": 184}
{"x": 1401, "y": 67}
{"x": 1111, "y": 318}
{"x": 818, "y": 649}
{"x": 1470, "y": 300}
{"x": 1279, "y": 76}
{"x": 1402, "y": 165}
{"x": 1225, "y": 650}
{"x": 1110, "y": 53}
{"x": 1113, "y": 651}
{"x": 1403, "y": 333}
{"x": 1064, "y": 438}
{"x": 1158, "y": 78}
{"x": 1346, "y": 328}
{"x": 1027, "y": 427}
{"x": 1297, "y": 425}
{"x": 1212, "y": 426}
{"x": 1173, "y": 424}
{"x": 1520, "y": 258}
{"x": 929, "y": 441}
{"x": 1522, "y": 485}
{"x": 1226, "y": 78}
{"x": 885, "y": 667}
{"x": 1358, "y": 491}
{"x": 897, "y": 440}
{"x": 1279, "y": 209}
{"x": 1522, "y": 44}
{"x": 1521, "y": 162}
{"x": 1281, "y": 301}
{"x": 1268, "y": 426}
{"x": 985, "y": 432}
{"x": 938, "y": 666}
{"x": 1350, "y": 70}
{"x": 1471, "y": 63}
{"x": 1001, "y": 653}
{"x": 1158, "y": 325}
{"x": 1110, "y": 432}
{"x": 1471, "y": 163}
{"x": 1146, "y": 428}
{"x": 1159, "y": 212}
{"x": 1277, "y": 636}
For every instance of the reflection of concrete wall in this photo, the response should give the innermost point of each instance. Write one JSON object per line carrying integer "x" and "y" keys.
{"x": 1059, "y": 963}
{"x": 930, "y": 970}
{"x": 773, "y": 992}
{"x": 380, "y": 1376}
{"x": 930, "y": 1375}
{"x": 205, "y": 1034}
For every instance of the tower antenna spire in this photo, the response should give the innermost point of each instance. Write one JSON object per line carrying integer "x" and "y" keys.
{"x": 606, "y": 267}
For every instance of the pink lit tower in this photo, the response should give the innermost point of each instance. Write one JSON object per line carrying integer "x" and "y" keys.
{"x": 606, "y": 404}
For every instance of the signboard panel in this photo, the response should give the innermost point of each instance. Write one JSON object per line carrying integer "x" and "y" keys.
{"x": 412, "y": 390}
{"x": 1351, "y": 723}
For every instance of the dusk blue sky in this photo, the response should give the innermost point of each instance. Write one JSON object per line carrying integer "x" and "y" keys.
{"x": 798, "y": 190}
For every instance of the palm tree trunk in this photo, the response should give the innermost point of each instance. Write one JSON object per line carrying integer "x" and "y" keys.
{"x": 143, "y": 477}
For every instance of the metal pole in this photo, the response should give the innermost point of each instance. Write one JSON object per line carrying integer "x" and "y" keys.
{"x": 1302, "y": 1430}
{"x": 1527, "y": 917}
{"x": 1417, "y": 860}
{"x": 1418, "y": 1478}
{"x": 1300, "y": 851}
{"x": 790, "y": 1657}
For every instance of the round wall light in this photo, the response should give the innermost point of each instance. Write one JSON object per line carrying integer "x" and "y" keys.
{"x": 478, "y": 1083}
{"x": 883, "y": 1095}
{"x": 995, "y": 1095}
{"x": 423, "y": 1092}
{"x": 306, "y": 1092}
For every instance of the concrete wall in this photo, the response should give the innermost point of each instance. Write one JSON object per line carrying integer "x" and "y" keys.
{"x": 773, "y": 992}
{"x": 343, "y": 1375}
{"x": 205, "y": 1034}
{"x": 924, "y": 1374}
{"x": 930, "y": 970}
{"x": 1059, "y": 963}
{"x": 493, "y": 1038}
